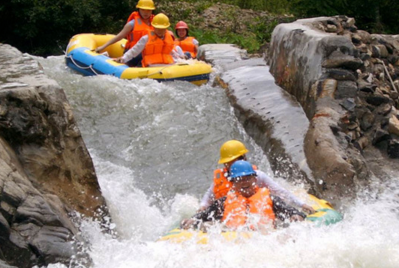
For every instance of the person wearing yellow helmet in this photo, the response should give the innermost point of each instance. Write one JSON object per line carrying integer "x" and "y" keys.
{"x": 157, "y": 47}
{"x": 188, "y": 43}
{"x": 248, "y": 206}
{"x": 138, "y": 24}
{"x": 230, "y": 152}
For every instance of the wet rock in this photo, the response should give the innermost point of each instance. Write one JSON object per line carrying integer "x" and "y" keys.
{"x": 328, "y": 151}
{"x": 346, "y": 89}
{"x": 327, "y": 88}
{"x": 46, "y": 172}
{"x": 362, "y": 143}
{"x": 380, "y": 135}
{"x": 55, "y": 236}
{"x": 364, "y": 50}
{"x": 365, "y": 56}
{"x": 337, "y": 59}
{"x": 365, "y": 36}
{"x": 349, "y": 104}
{"x": 379, "y": 51}
{"x": 221, "y": 53}
{"x": 4, "y": 265}
{"x": 393, "y": 59}
{"x": 384, "y": 122}
{"x": 331, "y": 28}
{"x": 255, "y": 109}
{"x": 367, "y": 90}
{"x": 393, "y": 148}
{"x": 326, "y": 158}
{"x": 384, "y": 109}
{"x": 356, "y": 39}
{"x": 393, "y": 125}
{"x": 350, "y": 22}
{"x": 377, "y": 100}
{"x": 366, "y": 86}
{"x": 340, "y": 74}
{"x": 367, "y": 121}
{"x": 353, "y": 29}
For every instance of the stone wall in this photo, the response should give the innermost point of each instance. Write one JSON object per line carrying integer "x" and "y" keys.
{"x": 346, "y": 81}
{"x": 46, "y": 172}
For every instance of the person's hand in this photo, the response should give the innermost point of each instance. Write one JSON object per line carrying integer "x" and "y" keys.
{"x": 187, "y": 224}
{"x": 98, "y": 50}
{"x": 296, "y": 218}
{"x": 118, "y": 59}
{"x": 308, "y": 209}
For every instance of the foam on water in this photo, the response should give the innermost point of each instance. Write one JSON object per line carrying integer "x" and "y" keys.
{"x": 367, "y": 237}
{"x": 135, "y": 132}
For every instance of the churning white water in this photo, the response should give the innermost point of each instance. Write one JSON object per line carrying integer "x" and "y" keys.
{"x": 154, "y": 147}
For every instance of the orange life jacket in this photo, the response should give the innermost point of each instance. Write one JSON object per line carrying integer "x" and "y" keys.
{"x": 221, "y": 185}
{"x": 140, "y": 29}
{"x": 187, "y": 45}
{"x": 237, "y": 208}
{"x": 157, "y": 50}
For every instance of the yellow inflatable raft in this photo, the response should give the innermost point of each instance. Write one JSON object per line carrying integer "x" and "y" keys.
{"x": 81, "y": 57}
{"x": 325, "y": 215}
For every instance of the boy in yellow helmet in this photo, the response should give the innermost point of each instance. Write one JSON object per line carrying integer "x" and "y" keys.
{"x": 247, "y": 205}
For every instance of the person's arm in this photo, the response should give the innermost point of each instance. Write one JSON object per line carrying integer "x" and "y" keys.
{"x": 213, "y": 213}
{"x": 177, "y": 53}
{"x": 276, "y": 189}
{"x": 135, "y": 50}
{"x": 196, "y": 44}
{"x": 122, "y": 34}
{"x": 285, "y": 212}
{"x": 207, "y": 198}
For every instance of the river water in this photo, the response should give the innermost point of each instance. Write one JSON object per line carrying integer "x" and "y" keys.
{"x": 154, "y": 147}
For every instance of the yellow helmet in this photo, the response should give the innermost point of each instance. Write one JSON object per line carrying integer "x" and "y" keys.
{"x": 160, "y": 21}
{"x": 146, "y": 4}
{"x": 231, "y": 150}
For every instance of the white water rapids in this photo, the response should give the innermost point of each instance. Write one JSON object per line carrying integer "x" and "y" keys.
{"x": 154, "y": 147}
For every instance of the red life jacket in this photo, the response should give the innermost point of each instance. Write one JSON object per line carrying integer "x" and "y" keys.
{"x": 237, "y": 208}
{"x": 157, "y": 50}
{"x": 187, "y": 45}
{"x": 139, "y": 30}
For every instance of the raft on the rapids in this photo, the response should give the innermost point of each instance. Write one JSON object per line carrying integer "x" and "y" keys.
{"x": 325, "y": 215}
{"x": 81, "y": 57}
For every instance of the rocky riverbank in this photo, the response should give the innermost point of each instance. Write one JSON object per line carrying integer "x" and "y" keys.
{"x": 46, "y": 172}
{"x": 346, "y": 80}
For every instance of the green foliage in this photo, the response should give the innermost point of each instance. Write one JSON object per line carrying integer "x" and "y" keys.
{"x": 215, "y": 37}
{"x": 371, "y": 15}
{"x": 43, "y": 27}
{"x": 263, "y": 29}
{"x": 315, "y": 8}
{"x": 273, "y": 6}
{"x": 277, "y": 6}
{"x": 183, "y": 12}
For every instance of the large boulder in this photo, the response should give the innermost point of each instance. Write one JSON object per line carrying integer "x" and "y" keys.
{"x": 46, "y": 173}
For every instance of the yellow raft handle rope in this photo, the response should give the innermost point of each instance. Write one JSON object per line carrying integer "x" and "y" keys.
{"x": 82, "y": 67}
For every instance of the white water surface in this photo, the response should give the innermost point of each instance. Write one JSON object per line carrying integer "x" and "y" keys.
{"x": 154, "y": 147}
